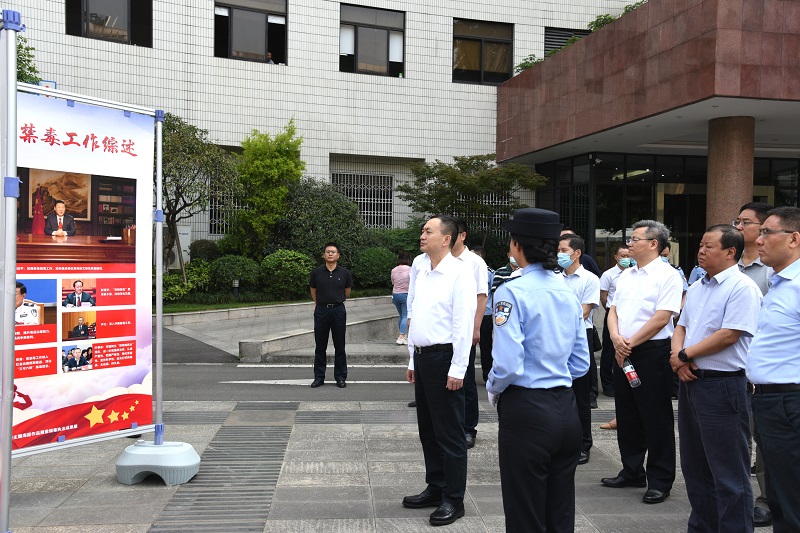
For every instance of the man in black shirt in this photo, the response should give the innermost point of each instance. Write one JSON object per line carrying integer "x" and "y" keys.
{"x": 330, "y": 286}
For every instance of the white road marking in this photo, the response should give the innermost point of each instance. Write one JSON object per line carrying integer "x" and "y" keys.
{"x": 307, "y": 382}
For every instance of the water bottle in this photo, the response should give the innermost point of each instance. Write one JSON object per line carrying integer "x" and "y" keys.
{"x": 630, "y": 373}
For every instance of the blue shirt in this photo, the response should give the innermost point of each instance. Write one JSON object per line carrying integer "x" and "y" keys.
{"x": 774, "y": 357}
{"x": 539, "y": 336}
{"x": 488, "y": 310}
{"x": 729, "y": 300}
{"x": 696, "y": 273}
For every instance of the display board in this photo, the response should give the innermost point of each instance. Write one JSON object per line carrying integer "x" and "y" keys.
{"x": 83, "y": 326}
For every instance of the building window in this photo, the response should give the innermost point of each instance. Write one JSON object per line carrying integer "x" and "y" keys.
{"x": 556, "y": 38}
{"x": 121, "y": 21}
{"x": 251, "y": 30}
{"x": 482, "y": 51}
{"x": 372, "y": 193}
{"x": 371, "y": 41}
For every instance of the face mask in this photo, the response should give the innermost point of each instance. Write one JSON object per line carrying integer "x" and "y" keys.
{"x": 665, "y": 259}
{"x": 633, "y": 262}
{"x": 564, "y": 261}
{"x": 625, "y": 262}
{"x": 512, "y": 261}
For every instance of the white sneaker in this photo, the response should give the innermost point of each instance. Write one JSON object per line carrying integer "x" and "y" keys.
{"x": 400, "y": 340}
{"x": 405, "y": 339}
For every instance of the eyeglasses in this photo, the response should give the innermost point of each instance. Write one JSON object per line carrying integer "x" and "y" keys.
{"x": 634, "y": 240}
{"x": 763, "y": 232}
{"x": 742, "y": 223}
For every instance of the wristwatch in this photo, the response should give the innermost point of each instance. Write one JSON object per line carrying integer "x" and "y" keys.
{"x": 683, "y": 357}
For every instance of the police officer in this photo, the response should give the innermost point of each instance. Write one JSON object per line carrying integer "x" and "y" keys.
{"x": 26, "y": 313}
{"x": 539, "y": 348}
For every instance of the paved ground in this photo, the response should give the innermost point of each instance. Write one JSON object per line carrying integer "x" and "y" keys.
{"x": 316, "y": 465}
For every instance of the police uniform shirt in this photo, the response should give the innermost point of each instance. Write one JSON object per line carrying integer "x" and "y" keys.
{"x": 643, "y": 291}
{"x": 729, "y": 300}
{"x": 444, "y": 313}
{"x": 26, "y": 314}
{"x": 773, "y": 357}
{"x": 608, "y": 283}
{"x": 539, "y": 333}
{"x": 586, "y": 287}
{"x": 758, "y": 272}
{"x": 330, "y": 285}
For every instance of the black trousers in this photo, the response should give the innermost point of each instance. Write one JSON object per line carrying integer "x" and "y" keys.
{"x": 440, "y": 419}
{"x": 470, "y": 397}
{"x": 487, "y": 330}
{"x": 581, "y": 387}
{"x": 539, "y": 440}
{"x": 645, "y": 422}
{"x": 607, "y": 361}
{"x": 333, "y": 321}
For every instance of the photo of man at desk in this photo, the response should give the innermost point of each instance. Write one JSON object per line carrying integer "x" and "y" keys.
{"x": 78, "y": 298}
{"x": 76, "y": 361}
{"x": 81, "y": 330}
{"x": 79, "y": 324}
{"x": 59, "y": 223}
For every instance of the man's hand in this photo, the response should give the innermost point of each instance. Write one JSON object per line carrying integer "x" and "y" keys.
{"x": 493, "y": 398}
{"x": 410, "y": 376}
{"x": 622, "y": 348}
{"x": 454, "y": 383}
{"x": 476, "y": 336}
{"x": 685, "y": 372}
{"x": 675, "y": 362}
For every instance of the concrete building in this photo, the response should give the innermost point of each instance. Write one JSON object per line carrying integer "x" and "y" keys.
{"x": 680, "y": 111}
{"x": 371, "y": 85}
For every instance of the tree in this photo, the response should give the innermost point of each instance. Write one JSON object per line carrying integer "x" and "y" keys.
{"x": 319, "y": 214}
{"x": 474, "y": 188}
{"x": 195, "y": 171}
{"x": 269, "y": 166}
{"x": 26, "y": 68}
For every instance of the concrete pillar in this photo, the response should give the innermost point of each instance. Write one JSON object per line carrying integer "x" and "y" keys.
{"x": 730, "y": 167}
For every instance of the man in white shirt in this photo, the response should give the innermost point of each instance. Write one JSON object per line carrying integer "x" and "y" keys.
{"x": 608, "y": 285}
{"x": 586, "y": 287}
{"x": 481, "y": 274}
{"x": 647, "y": 298}
{"x": 439, "y": 341}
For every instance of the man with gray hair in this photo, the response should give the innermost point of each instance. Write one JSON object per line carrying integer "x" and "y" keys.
{"x": 640, "y": 324}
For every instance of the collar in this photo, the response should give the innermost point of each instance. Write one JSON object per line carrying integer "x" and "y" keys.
{"x": 651, "y": 267}
{"x": 790, "y": 272}
{"x": 580, "y": 271}
{"x": 446, "y": 265}
{"x": 756, "y": 262}
{"x": 532, "y": 266}
{"x": 721, "y": 276}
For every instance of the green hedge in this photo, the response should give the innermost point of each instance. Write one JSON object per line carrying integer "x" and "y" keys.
{"x": 230, "y": 267}
{"x": 285, "y": 274}
{"x": 372, "y": 267}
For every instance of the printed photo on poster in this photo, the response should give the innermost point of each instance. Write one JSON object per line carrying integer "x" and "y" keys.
{"x": 81, "y": 324}
{"x": 76, "y": 357}
{"x": 78, "y": 292}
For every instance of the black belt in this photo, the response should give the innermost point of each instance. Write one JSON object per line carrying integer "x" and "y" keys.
{"x": 716, "y": 373}
{"x": 770, "y": 389}
{"x": 654, "y": 344}
{"x": 330, "y": 305}
{"x": 419, "y": 350}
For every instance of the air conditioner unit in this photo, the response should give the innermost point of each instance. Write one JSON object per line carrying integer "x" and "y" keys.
{"x": 184, "y": 239}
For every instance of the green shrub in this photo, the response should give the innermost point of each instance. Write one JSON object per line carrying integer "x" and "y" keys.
{"x": 230, "y": 267}
{"x": 373, "y": 266}
{"x": 204, "y": 249}
{"x": 198, "y": 275}
{"x": 286, "y": 273}
{"x": 174, "y": 288}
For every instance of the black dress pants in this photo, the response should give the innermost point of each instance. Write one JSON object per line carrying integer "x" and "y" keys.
{"x": 539, "y": 441}
{"x": 607, "y": 361}
{"x": 581, "y": 387}
{"x": 645, "y": 422}
{"x": 333, "y": 321}
{"x": 470, "y": 397}
{"x": 487, "y": 330}
{"x": 440, "y": 419}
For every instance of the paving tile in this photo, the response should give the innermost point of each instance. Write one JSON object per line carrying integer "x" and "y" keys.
{"x": 468, "y": 524}
{"x": 385, "y": 467}
{"x": 27, "y": 516}
{"x": 320, "y": 509}
{"x": 324, "y": 467}
{"x": 260, "y": 418}
{"x": 321, "y": 526}
{"x": 348, "y": 454}
{"x": 105, "y": 528}
{"x": 329, "y": 406}
{"x": 314, "y": 494}
{"x": 100, "y": 514}
{"x": 37, "y": 499}
{"x": 489, "y": 506}
{"x": 322, "y": 480}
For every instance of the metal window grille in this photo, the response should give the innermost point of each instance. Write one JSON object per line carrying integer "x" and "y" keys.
{"x": 221, "y": 207}
{"x": 490, "y": 223}
{"x": 372, "y": 193}
{"x": 555, "y": 38}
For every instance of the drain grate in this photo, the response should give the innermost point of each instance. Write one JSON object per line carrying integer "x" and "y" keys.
{"x": 328, "y": 417}
{"x": 267, "y": 406}
{"x": 234, "y": 488}
{"x": 188, "y": 418}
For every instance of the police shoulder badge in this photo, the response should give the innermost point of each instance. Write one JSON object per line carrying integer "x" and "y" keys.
{"x": 501, "y": 312}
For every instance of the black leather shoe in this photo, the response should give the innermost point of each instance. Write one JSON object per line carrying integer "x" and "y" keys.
{"x": 447, "y": 513}
{"x": 341, "y": 384}
{"x": 762, "y": 517}
{"x": 412, "y": 403}
{"x": 317, "y": 383}
{"x": 429, "y": 497}
{"x": 470, "y": 440}
{"x": 619, "y": 482}
{"x": 593, "y": 404}
{"x": 584, "y": 458}
{"x": 655, "y": 496}
{"x": 609, "y": 393}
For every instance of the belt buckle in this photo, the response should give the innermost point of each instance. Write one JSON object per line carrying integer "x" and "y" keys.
{"x": 330, "y": 306}
{"x": 417, "y": 350}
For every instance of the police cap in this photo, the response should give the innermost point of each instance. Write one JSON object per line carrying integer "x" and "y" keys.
{"x": 533, "y": 222}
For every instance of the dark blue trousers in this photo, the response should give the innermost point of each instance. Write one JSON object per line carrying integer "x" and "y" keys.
{"x": 440, "y": 419}
{"x": 777, "y": 422}
{"x": 539, "y": 441}
{"x": 330, "y": 321}
{"x": 714, "y": 426}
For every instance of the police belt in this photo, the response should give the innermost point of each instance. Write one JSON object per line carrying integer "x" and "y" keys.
{"x": 778, "y": 388}
{"x": 700, "y": 373}
{"x": 420, "y": 350}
